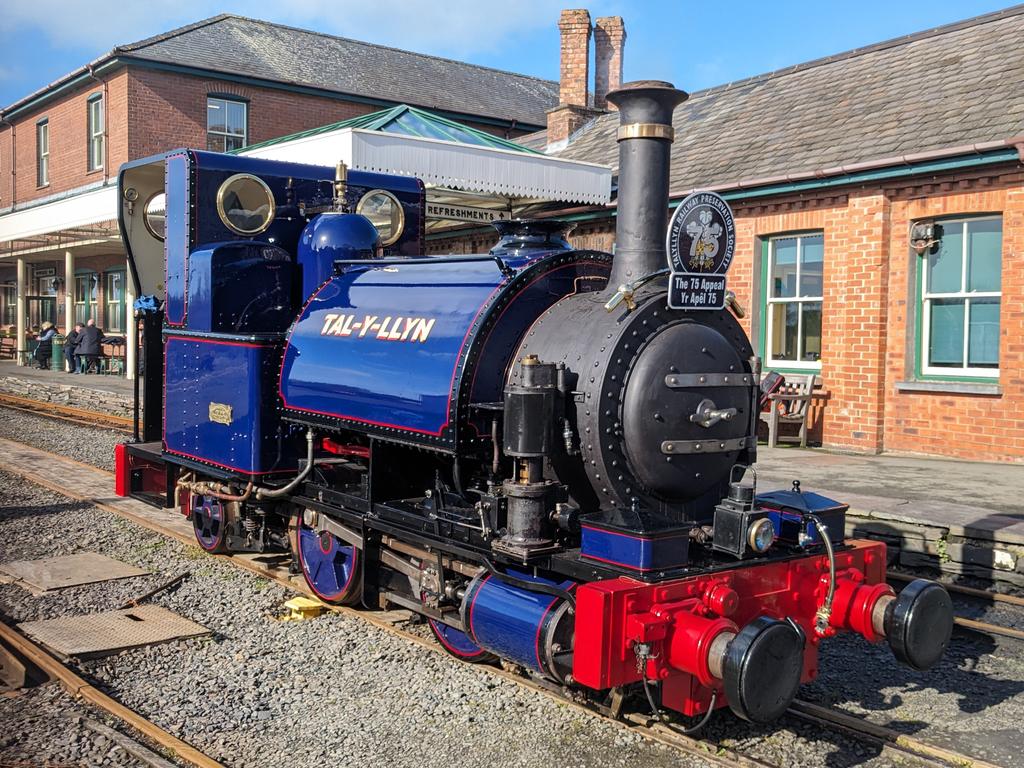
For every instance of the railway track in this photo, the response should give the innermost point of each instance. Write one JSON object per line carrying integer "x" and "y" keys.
{"x": 59, "y": 412}
{"x": 79, "y": 687}
{"x": 887, "y": 741}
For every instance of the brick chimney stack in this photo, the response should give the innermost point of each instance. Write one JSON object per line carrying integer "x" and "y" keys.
{"x": 609, "y": 40}
{"x": 574, "y": 107}
{"x": 573, "y": 86}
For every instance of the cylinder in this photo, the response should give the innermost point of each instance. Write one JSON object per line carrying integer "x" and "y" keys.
{"x": 532, "y": 629}
{"x": 645, "y": 144}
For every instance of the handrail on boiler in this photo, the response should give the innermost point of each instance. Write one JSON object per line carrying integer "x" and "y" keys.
{"x": 341, "y": 264}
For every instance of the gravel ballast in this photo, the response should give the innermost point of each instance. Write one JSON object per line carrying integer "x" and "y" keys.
{"x": 89, "y": 445}
{"x": 264, "y": 692}
{"x": 45, "y": 726}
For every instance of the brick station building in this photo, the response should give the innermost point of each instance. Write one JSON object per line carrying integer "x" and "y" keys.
{"x": 219, "y": 84}
{"x": 828, "y": 166}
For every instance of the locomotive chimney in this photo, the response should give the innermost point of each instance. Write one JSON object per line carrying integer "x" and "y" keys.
{"x": 645, "y": 142}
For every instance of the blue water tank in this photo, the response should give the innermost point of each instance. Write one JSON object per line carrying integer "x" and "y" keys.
{"x": 332, "y": 236}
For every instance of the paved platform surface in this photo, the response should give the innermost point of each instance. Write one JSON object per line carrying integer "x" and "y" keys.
{"x": 975, "y": 496}
{"x": 99, "y": 382}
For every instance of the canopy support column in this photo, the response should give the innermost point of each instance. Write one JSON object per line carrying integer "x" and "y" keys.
{"x": 69, "y": 292}
{"x": 22, "y": 310}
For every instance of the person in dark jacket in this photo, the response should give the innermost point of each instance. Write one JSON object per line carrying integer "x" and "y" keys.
{"x": 88, "y": 349}
{"x": 45, "y": 348}
{"x": 70, "y": 344}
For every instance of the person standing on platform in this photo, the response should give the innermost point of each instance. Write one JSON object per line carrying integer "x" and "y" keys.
{"x": 45, "y": 348}
{"x": 70, "y": 344}
{"x": 88, "y": 349}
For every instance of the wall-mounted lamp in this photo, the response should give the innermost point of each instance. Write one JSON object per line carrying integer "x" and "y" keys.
{"x": 925, "y": 236}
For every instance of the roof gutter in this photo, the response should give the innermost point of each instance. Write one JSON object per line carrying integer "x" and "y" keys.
{"x": 853, "y": 169}
{"x": 59, "y": 87}
{"x": 935, "y": 161}
{"x": 117, "y": 57}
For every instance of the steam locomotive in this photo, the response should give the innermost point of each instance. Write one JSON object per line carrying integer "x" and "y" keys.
{"x": 529, "y": 448}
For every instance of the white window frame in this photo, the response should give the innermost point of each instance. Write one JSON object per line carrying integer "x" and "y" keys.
{"x": 96, "y": 144}
{"x": 797, "y": 364}
{"x": 43, "y": 153}
{"x": 118, "y": 304}
{"x": 224, "y": 105}
{"x": 88, "y": 307}
{"x": 9, "y": 300}
{"x": 944, "y": 371}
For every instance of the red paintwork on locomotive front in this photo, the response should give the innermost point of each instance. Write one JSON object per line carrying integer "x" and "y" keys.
{"x": 133, "y": 474}
{"x": 679, "y": 620}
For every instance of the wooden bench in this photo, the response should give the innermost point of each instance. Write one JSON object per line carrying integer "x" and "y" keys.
{"x": 790, "y": 405}
{"x": 8, "y": 349}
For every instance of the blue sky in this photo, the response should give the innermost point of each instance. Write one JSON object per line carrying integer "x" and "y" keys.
{"x": 693, "y": 44}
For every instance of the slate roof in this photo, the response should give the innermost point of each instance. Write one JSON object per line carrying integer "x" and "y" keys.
{"x": 961, "y": 84}
{"x": 406, "y": 121}
{"x": 288, "y": 55}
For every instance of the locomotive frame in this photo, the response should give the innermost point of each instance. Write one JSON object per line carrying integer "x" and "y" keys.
{"x": 529, "y": 448}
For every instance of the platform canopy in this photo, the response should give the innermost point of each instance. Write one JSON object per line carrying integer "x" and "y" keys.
{"x": 462, "y": 167}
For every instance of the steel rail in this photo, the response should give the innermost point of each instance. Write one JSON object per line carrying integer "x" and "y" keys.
{"x": 983, "y": 594}
{"x": 882, "y": 736}
{"x": 61, "y": 412}
{"x": 80, "y": 688}
{"x": 973, "y": 625}
{"x": 705, "y": 749}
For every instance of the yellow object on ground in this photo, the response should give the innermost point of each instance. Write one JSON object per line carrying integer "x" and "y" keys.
{"x": 300, "y": 608}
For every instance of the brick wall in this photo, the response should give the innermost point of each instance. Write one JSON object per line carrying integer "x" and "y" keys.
{"x": 985, "y": 427}
{"x": 169, "y": 110}
{"x": 869, "y": 311}
{"x": 67, "y": 119}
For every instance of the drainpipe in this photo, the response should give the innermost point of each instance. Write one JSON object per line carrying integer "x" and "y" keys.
{"x": 14, "y": 159}
{"x": 106, "y": 140}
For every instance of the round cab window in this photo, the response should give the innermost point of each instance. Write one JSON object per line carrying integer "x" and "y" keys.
{"x": 154, "y": 215}
{"x": 245, "y": 204}
{"x": 384, "y": 210}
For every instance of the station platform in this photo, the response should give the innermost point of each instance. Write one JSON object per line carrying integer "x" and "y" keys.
{"x": 956, "y": 517}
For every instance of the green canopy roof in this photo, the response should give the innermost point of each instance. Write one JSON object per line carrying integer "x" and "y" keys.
{"x": 407, "y": 121}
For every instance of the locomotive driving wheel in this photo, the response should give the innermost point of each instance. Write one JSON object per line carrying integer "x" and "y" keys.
{"x": 210, "y": 523}
{"x": 329, "y": 565}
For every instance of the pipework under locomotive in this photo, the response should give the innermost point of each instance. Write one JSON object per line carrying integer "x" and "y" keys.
{"x": 529, "y": 448}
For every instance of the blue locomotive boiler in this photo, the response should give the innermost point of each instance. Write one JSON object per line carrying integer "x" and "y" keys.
{"x": 534, "y": 449}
